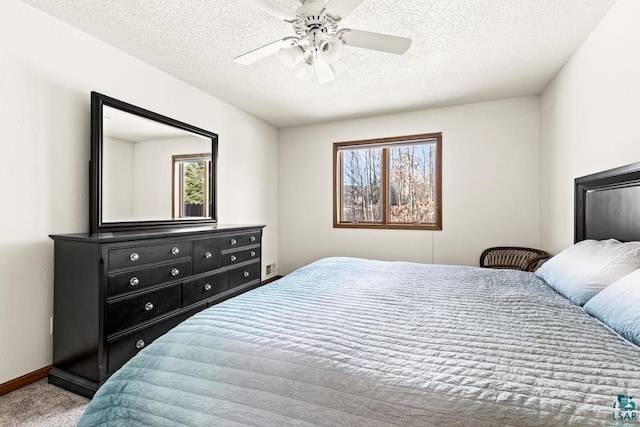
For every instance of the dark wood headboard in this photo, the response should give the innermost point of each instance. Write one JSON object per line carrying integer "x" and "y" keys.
{"x": 607, "y": 205}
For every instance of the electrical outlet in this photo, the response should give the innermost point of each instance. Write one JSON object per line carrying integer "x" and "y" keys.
{"x": 271, "y": 268}
{"x": 51, "y": 325}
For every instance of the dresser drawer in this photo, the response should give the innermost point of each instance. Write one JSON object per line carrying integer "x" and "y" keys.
{"x": 239, "y": 240}
{"x": 206, "y": 255}
{"x": 240, "y": 256}
{"x": 206, "y": 287}
{"x": 131, "y": 311}
{"x": 123, "y": 349}
{"x": 137, "y": 255}
{"x": 140, "y": 279}
{"x": 240, "y": 276}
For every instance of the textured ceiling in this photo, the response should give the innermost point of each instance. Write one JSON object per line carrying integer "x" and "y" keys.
{"x": 463, "y": 51}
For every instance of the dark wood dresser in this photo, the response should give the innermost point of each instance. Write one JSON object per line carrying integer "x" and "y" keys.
{"x": 117, "y": 292}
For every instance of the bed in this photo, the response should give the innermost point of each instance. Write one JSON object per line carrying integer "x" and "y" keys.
{"x": 346, "y": 341}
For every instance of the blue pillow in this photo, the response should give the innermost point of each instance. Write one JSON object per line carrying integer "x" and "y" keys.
{"x": 584, "y": 269}
{"x": 618, "y": 306}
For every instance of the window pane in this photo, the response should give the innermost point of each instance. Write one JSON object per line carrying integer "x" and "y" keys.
{"x": 412, "y": 184}
{"x": 190, "y": 186}
{"x": 362, "y": 185}
{"x": 193, "y": 186}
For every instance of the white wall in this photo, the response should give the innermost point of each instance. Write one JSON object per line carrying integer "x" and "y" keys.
{"x": 491, "y": 191}
{"x": 590, "y": 115}
{"x": 117, "y": 188}
{"x": 47, "y": 70}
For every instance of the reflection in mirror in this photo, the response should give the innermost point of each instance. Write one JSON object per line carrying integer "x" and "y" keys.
{"x": 152, "y": 171}
{"x": 149, "y": 171}
{"x": 190, "y": 185}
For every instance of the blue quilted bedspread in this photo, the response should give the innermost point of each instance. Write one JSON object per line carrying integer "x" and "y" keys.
{"x": 353, "y": 342}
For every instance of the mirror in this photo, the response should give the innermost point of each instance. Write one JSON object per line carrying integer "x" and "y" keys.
{"x": 148, "y": 170}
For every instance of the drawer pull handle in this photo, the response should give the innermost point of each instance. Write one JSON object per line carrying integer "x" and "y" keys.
{"x": 207, "y": 287}
{"x": 246, "y": 274}
{"x": 233, "y": 258}
{"x": 175, "y": 251}
{"x": 148, "y": 306}
{"x": 253, "y": 253}
{"x": 253, "y": 238}
{"x": 139, "y": 344}
{"x": 207, "y": 254}
{"x": 175, "y": 272}
{"x": 134, "y": 257}
{"x": 233, "y": 241}
{"x": 134, "y": 281}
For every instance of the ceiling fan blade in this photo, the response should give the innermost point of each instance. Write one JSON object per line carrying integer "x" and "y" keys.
{"x": 375, "y": 41}
{"x": 340, "y": 9}
{"x": 264, "y": 51}
{"x": 275, "y": 9}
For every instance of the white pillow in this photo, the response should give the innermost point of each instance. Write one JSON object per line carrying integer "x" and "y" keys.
{"x": 619, "y": 306}
{"x": 584, "y": 269}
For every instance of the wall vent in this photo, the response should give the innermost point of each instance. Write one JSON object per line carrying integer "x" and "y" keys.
{"x": 271, "y": 269}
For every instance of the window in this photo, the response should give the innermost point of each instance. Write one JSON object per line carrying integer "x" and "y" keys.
{"x": 389, "y": 183}
{"x": 190, "y": 192}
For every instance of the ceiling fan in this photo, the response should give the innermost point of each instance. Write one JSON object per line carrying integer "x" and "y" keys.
{"x": 317, "y": 45}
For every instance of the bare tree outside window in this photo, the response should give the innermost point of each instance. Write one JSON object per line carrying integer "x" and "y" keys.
{"x": 412, "y": 184}
{"x": 388, "y": 183}
{"x": 362, "y": 185}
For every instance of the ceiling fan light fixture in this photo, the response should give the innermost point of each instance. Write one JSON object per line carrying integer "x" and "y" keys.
{"x": 331, "y": 50}
{"x": 323, "y": 72}
{"x": 338, "y": 67}
{"x": 306, "y": 72}
{"x": 291, "y": 57}
{"x": 317, "y": 48}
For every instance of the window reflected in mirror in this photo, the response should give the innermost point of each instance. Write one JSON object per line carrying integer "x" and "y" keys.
{"x": 190, "y": 193}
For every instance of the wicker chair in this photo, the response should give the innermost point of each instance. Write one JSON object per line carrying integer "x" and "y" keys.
{"x": 515, "y": 258}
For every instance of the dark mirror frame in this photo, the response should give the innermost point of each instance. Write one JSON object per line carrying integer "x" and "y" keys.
{"x": 98, "y": 101}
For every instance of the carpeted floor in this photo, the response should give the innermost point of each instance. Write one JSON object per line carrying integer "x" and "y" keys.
{"x": 41, "y": 405}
